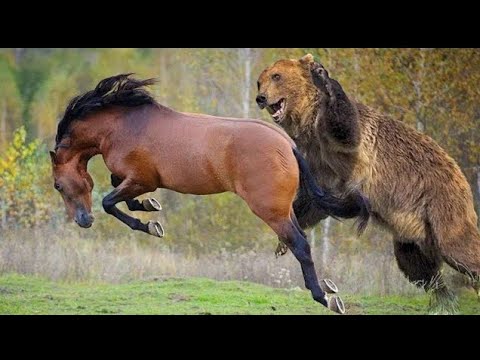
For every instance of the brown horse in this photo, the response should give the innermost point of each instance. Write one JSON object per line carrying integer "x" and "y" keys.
{"x": 148, "y": 146}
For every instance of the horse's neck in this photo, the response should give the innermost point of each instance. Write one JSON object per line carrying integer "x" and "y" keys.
{"x": 88, "y": 137}
{"x": 73, "y": 150}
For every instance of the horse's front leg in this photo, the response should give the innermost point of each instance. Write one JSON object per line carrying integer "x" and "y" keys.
{"x": 125, "y": 191}
{"x": 133, "y": 204}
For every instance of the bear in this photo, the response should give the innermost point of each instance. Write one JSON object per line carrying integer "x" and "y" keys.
{"x": 416, "y": 190}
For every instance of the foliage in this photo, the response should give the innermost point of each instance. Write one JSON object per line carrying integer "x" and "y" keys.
{"x": 434, "y": 90}
{"x": 10, "y": 100}
{"x": 26, "y": 199}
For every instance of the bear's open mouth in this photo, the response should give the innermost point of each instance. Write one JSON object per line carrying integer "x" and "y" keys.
{"x": 277, "y": 110}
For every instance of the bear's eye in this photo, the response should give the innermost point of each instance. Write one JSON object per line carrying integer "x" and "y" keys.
{"x": 258, "y": 85}
{"x": 57, "y": 186}
{"x": 276, "y": 77}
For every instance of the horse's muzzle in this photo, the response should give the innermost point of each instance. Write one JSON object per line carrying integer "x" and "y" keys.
{"x": 84, "y": 219}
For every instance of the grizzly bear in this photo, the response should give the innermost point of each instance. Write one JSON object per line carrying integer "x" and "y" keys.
{"x": 416, "y": 190}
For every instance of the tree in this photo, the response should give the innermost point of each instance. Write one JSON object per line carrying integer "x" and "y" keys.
{"x": 10, "y": 101}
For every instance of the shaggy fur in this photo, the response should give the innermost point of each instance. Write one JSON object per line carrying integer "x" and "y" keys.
{"x": 416, "y": 190}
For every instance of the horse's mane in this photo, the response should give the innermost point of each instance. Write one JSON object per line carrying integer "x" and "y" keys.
{"x": 115, "y": 90}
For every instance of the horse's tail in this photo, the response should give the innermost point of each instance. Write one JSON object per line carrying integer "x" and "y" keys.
{"x": 353, "y": 205}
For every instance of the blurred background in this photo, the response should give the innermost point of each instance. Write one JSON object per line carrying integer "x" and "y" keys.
{"x": 433, "y": 90}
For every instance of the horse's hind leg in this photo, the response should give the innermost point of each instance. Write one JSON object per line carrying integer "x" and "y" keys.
{"x": 292, "y": 236}
{"x": 282, "y": 248}
{"x": 128, "y": 190}
{"x": 133, "y": 204}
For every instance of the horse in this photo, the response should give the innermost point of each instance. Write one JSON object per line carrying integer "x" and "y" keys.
{"x": 146, "y": 146}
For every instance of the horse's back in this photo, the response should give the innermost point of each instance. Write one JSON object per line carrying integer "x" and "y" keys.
{"x": 254, "y": 125}
{"x": 203, "y": 154}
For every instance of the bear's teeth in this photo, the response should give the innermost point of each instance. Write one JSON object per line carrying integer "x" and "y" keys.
{"x": 279, "y": 112}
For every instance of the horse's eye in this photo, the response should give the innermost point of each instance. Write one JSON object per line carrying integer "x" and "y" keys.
{"x": 57, "y": 186}
{"x": 276, "y": 77}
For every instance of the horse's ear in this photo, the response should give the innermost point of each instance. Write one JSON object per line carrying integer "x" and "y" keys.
{"x": 307, "y": 59}
{"x": 53, "y": 157}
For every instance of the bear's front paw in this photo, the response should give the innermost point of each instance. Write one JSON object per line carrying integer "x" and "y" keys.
{"x": 319, "y": 75}
{"x": 281, "y": 249}
{"x": 321, "y": 79}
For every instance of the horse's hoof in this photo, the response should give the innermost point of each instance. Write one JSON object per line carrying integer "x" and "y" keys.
{"x": 151, "y": 205}
{"x": 155, "y": 229}
{"x": 335, "y": 303}
{"x": 328, "y": 286}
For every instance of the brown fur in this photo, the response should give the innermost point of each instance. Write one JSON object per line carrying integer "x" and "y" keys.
{"x": 416, "y": 190}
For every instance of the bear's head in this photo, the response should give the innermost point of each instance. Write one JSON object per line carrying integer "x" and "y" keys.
{"x": 287, "y": 91}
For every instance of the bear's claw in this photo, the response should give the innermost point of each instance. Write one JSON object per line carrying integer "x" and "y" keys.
{"x": 281, "y": 249}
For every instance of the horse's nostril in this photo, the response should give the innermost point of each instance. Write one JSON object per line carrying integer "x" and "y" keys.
{"x": 84, "y": 219}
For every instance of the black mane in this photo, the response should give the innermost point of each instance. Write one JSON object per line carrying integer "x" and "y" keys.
{"x": 116, "y": 90}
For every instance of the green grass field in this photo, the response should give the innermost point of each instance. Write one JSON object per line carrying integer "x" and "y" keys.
{"x": 31, "y": 295}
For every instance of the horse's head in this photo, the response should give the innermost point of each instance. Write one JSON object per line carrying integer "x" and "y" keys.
{"x": 73, "y": 182}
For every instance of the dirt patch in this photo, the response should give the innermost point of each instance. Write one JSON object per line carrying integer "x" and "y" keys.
{"x": 179, "y": 297}
{"x": 354, "y": 308}
{"x": 6, "y": 291}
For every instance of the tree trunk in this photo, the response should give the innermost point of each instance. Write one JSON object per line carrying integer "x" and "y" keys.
{"x": 312, "y": 238}
{"x": 417, "y": 86}
{"x": 247, "y": 58}
{"x": 18, "y": 54}
{"x": 326, "y": 241}
{"x": 356, "y": 67}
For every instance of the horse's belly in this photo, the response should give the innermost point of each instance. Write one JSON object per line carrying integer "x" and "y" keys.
{"x": 196, "y": 189}
{"x": 192, "y": 182}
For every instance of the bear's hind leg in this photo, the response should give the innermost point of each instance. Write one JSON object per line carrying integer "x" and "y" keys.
{"x": 424, "y": 271}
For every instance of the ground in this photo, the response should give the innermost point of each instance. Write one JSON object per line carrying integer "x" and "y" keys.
{"x": 21, "y": 294}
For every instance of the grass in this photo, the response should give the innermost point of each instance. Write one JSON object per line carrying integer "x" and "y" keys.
{"x": 20, "y": 294}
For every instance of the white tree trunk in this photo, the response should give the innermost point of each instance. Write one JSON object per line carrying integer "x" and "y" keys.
{"x": 312, "y": 238}
{"x": 247, "y": 60}
{"x": 18, "y": 54}
{"x": 356, "y": 67}
{"x": 417, "y": 86}
{"x": 326, "y": 241}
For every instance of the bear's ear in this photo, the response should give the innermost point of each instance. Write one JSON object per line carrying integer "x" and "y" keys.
{"x": 307, "y": 59}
